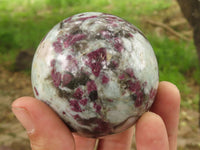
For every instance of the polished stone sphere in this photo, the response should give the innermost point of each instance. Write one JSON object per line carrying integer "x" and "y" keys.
{"x": 97, "y": 71}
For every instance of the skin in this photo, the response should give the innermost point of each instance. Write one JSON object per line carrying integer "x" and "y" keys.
{"x": 155, "y": 130}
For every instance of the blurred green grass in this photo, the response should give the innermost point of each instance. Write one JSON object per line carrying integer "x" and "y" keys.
{"x": 23, "y": 23}
{"x": 178, "y": 63}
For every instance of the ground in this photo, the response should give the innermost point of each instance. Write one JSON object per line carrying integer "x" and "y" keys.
{"x": 12, "y": 85}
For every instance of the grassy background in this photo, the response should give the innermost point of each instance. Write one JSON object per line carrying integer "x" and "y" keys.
{"x": 23, "y": 23}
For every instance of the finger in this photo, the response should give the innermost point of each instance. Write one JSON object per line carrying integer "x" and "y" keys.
{"x": 151, "y": 133}
{"x": 83, "y": 143}
{"x": 45, "y": 129}
{"x": 167, "y": 105}
{"x": 120, "y": 141}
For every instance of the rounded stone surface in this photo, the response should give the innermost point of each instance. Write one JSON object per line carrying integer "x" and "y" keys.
{"x": 97, "y": 71}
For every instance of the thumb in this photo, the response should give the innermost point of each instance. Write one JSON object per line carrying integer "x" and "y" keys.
{"x": 45, "y": 129}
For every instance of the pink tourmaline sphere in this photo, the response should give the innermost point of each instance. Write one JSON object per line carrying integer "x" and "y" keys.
{"x": 97, "y": 71}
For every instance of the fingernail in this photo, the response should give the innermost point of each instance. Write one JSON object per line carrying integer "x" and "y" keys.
{"x": 25, "y": 118}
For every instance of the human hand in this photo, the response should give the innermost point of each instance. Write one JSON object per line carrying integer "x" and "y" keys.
{"x": 155, "y": 130}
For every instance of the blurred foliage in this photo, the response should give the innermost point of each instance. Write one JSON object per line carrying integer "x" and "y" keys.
{"x": 177, "y": 61}
{"x": 23, "y": 24}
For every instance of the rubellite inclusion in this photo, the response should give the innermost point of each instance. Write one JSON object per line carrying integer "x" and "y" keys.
{"x": 97, "y": 71}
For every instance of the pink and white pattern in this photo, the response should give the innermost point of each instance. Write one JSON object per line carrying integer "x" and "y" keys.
{"x": 97, "y": 71}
